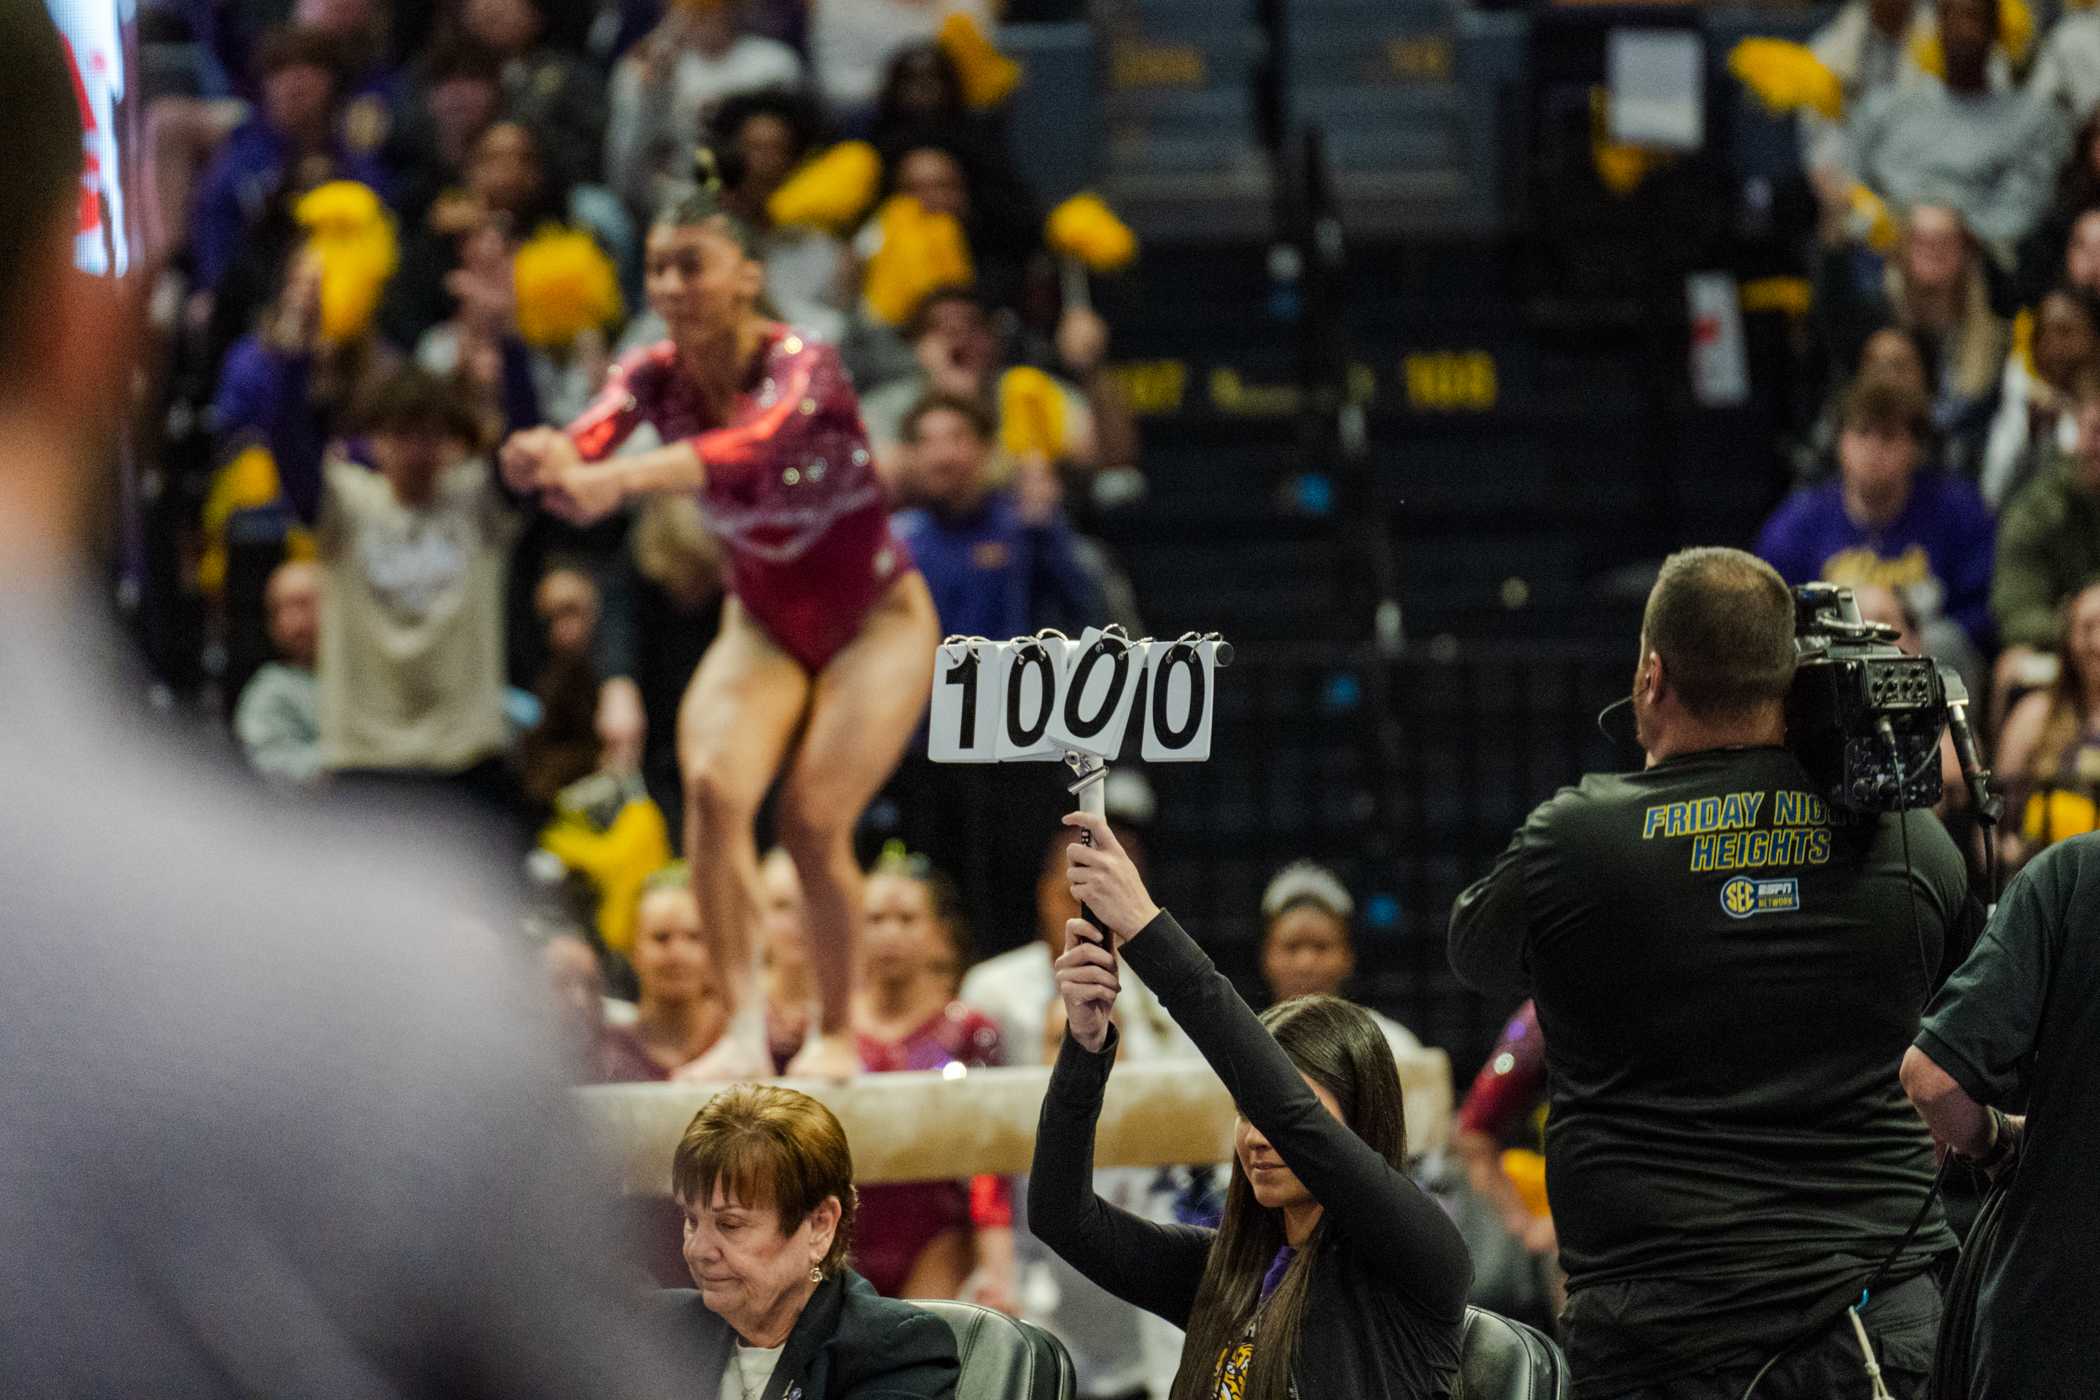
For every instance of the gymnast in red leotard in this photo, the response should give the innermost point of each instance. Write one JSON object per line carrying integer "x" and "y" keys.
{"x": 825, "y": 657}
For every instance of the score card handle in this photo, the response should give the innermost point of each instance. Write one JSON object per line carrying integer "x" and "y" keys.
{"x": 1089, "y": 789}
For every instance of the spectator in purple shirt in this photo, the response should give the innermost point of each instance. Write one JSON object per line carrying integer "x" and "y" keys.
{"x": 999, "y": 559}
{"x": 1926, "y": 535}
{"x": 293, "y": 140}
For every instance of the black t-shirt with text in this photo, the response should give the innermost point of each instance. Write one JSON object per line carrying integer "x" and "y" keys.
{"x": 2018, "y": 1027}
{"x": 1727, "y": 979}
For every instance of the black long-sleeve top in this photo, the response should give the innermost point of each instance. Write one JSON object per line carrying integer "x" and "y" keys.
{"x": 1388, "y": 1290}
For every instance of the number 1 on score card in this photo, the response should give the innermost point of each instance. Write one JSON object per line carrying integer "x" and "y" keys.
{"x": 969, "y": 701}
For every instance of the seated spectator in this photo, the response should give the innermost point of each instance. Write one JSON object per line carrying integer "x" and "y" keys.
{"x": 563, "y": 747}
{"x": 2067, "y": 72}
{"x": 926, "y": 1239}
{"x": 1018, "y": 988}
{"x": 277, "y": 719}
{"x": 2049, "y": 751}
{"x": 511, "y": 191}
{"x": 958, "y": 353}
{"x": 2034, "y": 424}
{"x": 759, "y": 140}
{"x": 1893, "y": 354}
{"x": 457, "y": 92}
{"x": 852, "y": 42}
{"x": 765, "y": 1178}
{"x": 1939, "y": 288}
{"x": 2045, "y": 254}
{"x": 1869, "y": 45}
{"x": 358, "y": 29}
{"x": 1927, "y": 535}
{"x": 1306, "y": 948}
{"x": 542, "y": 85}
{"x": 598, "y": 1051}
{"x": 1992, "y": 155}
{"x": 292, "y": 141}
{"x": 668, "y": 88}
{"x": 682, "y": 1007}
{"x": 415, "y": 551}
{"x": 2081, "y": 260}
{"x": 2048, "y": 548}
{"x": 999, "y": 559}
{"x": 951, "y": 174}
{"x": 663, "y": 607}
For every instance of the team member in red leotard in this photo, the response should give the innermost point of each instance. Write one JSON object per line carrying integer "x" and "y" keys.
{"x": 825, "y": 657}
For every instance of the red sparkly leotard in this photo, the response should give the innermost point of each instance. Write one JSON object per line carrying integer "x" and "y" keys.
{"x": 898, "y": 1220}
{"x": 791, "y": 487}
{"x": 1511, "y": 1080}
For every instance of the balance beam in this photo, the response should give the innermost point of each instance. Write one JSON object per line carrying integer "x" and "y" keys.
{"x": 925, "y": 1125}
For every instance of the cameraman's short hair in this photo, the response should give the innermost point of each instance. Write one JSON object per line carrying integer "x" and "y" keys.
{"x": 43, "y": 161}
{"x": 1723, "y": 623}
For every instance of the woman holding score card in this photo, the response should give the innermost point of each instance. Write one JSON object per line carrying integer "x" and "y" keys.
{"x": 1331, "y": 1273}
{"x": 822, "y": 666}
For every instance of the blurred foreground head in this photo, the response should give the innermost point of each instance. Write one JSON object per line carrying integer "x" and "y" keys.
{"x": 62, "y": 349}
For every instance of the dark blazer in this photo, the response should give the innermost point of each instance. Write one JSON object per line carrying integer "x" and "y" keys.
{"x": 850, "y": 1343}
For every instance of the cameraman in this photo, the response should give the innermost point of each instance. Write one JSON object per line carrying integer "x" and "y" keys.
{"x": 1726, "y": 978}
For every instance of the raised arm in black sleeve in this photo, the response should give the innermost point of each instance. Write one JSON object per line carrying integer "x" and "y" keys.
{"x": 1152, "y": 1266}
{"x": 1398, "y": 1231}
{"x": 1489, "y": 925}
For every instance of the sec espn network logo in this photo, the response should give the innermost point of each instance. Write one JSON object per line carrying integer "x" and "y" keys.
{"x": 1743, "y": 897}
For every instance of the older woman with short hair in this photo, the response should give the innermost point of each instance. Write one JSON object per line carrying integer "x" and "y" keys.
{"x": 765, "y": 1179}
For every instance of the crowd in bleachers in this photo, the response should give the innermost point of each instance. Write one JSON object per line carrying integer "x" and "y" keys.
{"x": 393, "y": 234}
{"x": 1954, "y": 275}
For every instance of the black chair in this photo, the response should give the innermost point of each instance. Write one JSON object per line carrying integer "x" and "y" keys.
{"x": 1003, "y": 1358}
{"x": 1500, "y": 1359}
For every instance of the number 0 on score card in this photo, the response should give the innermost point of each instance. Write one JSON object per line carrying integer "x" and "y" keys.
{"x": 1102, "y": 677}
{"x": 1181, "y": 684}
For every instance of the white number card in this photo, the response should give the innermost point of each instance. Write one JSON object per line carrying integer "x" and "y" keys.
{"x": 1181, "y": 680}
{"x": 1034, "y": 667}
{"x": 1103, "y": 674}
{"x": 969, "y": 684}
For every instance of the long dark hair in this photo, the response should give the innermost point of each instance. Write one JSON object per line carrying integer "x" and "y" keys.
{"x": 1337, "y": 1045}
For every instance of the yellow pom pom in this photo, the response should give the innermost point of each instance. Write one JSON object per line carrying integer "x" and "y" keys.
{"x": 1085, "y": 228}
{"x": 565, "y": 286}
{"x": 1526, "y": 1171}
{"x": 1787, "y": 77}
{"x": 920, "y": 251}
{"x": 830, "y": 192}
{"x": 353, "y": 235}
{"x": 2057, "y": 814}
{"x": 2016, "y": 30}
{"x": 1031, "y": 414}
{"x": 247, "y": 482}
{"x": 1870, "y": 209}
{"x": 2023, "y": 340}
{"x": 340, "y": 209}
{"x": 988, "y": 76}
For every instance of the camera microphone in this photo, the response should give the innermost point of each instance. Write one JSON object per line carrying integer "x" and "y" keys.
{"x": 1989, "y": 806}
